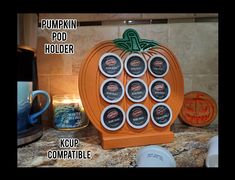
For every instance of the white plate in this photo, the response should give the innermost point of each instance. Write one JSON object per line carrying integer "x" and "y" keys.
{"x": 154, "y": 156}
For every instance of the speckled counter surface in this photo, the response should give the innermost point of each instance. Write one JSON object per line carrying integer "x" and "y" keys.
{"x": 189, "y": 149}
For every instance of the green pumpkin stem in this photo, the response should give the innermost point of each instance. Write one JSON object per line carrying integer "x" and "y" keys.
{"x": 131, "y": 42}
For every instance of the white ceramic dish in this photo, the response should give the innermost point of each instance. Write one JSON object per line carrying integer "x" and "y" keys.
{"x": 213, "y": 152}
{"x": 154, "y": 156}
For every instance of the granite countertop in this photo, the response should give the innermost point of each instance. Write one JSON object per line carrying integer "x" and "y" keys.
{"x": 189, "y": 149}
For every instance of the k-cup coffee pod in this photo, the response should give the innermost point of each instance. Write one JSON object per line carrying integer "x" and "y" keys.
{"x": 158, "y": 65}
{"x": 137, "y": 116}
{"x": 159, "y": 90}
{"x": 110, "y": 65}
{"x": 213, "y": 152}
{"x": 136, "y": 90}
{"x": 161, "y": 114}
{"x": 154, "y": 156}
{"x": 135, "y": 65}
{"x": 112, "y": 117}
{"x": 112, "y": 90}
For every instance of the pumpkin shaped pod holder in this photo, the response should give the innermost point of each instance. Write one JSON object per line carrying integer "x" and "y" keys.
{"x": 143, "y": 60}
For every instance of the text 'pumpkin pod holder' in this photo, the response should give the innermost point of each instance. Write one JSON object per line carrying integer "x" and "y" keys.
{"x": 132, "y": 91}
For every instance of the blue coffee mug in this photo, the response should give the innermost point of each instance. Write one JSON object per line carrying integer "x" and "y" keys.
{"x": 25, "y": 97}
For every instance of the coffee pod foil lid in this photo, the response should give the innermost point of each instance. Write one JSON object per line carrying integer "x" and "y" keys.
{"x": 110, "y": 65}
{"x": 158, "y": 65}
{"x": 161, "y": 114}
{"x": 112, "y": 90}
{"x": 159, "y": 90}
{"x": 137, "y": 116}
{"x": 135, "y": 65}
{"x": 136, "y": 90}
{"x": 112, "y": 117}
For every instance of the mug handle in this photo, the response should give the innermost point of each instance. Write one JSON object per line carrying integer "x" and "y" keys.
{"x": 33, "y": 117}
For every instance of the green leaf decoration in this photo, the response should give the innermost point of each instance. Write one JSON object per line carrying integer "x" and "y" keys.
{"x": 131, "y": 42}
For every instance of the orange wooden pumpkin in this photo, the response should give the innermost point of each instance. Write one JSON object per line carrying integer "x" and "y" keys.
{"x": 199, "y": 109}
{"x": 91, "y": 78}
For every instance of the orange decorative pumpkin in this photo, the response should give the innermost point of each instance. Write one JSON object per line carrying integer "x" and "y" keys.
{"x": 199, "y": 109}
{"x": 91, "y": 79}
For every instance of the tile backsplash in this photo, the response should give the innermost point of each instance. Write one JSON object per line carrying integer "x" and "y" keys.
{"x": 194, "y": 44}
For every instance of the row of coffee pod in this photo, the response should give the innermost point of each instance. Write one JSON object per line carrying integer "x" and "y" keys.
{"x": 113, "y": 116}
{"x": 111, "y": 65}
{"x": 112, "y": 90}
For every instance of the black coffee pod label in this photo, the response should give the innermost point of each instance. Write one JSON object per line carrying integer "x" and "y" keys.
{"x": 158, "y": 66}
{"x": 112, "y": 90}
{"x": 159, "y": 90}
{"x": 112, "y": 117}
{"x": 110, "y": 65}
{"x": 161, "y": 114}
{"x": 137, "y": 116}
{"x": 135, "y": 65}
{"x": 136, "y": 90}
